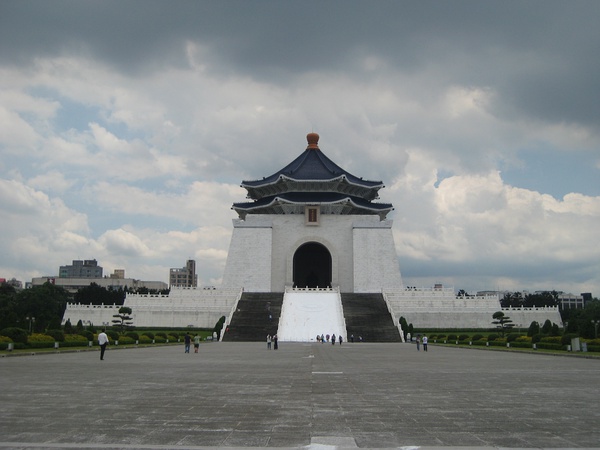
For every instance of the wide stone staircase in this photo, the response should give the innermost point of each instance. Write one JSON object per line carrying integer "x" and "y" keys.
{"x": 258, "y": 313}
{"x": 256, "y": 316}
{"x": 367, "y": 315}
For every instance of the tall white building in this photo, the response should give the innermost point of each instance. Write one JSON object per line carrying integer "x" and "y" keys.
{"x": 315, "y": 227}
{"x": 312, "y": 224}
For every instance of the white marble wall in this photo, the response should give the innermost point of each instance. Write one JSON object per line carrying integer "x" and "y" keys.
{"x": 195, "y": 307}
{"x": 249, "y": 262}
{"x": 375, "y": 261}
{"x": 441, "y": 308}
{"x": 362, "y": 249}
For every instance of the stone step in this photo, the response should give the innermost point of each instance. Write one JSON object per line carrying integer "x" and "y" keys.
{"x": 256, "y": 316}
{"x": 366, "y": 315}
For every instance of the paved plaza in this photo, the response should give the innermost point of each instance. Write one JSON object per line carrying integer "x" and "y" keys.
{"x": 315, "y": 396}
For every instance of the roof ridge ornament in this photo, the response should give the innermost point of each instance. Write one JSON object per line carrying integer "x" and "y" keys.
{"x": 313, "y": 141}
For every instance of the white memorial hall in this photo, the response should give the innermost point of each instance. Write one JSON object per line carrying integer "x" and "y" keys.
{"x": 312, "y": 252}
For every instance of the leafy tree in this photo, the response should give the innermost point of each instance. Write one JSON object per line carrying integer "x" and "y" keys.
{"x": 123, "y": 319}
{"x": 16, "y": 334}
{"x": 68, "y": 328}
{"x": 219, "y": 326}
{"x": 542, "y": 299}
{"x": 47, "y": 303}
{"x": 8, "y": 306}
{"x": 547, "y": 327}
{"x": 462, "y": 293}
{"x": 58, "y": 335}
{"x": 514, "y": 299}
{"x": 534, "y": 329}
{"x": 502, "y": 322}
{"x": 99, "y": 295}
{"x": 580, "y": 320}
{"x": 404, "y": 326}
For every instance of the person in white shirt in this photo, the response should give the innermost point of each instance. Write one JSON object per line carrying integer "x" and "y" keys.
{"x": 424, "y": 343}
{"x": 102, "y": 342}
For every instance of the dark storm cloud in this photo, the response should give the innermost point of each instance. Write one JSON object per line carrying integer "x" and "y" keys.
{"x": 540, "y": 56}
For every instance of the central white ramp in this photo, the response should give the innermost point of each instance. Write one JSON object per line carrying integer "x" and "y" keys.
{"x": 306, "y": 313}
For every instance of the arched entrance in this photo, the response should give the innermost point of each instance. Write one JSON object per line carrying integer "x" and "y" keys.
{"x": 312, "y": 266}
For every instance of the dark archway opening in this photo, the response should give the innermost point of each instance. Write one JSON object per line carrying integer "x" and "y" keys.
{"x": 312, "y": 266}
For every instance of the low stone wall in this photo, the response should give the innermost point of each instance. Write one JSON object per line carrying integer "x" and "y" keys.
{"x": 478, "y": 319}
{"x": 202, "y": 308}
{"x": 97, "y": 315}
{"x": 198, "y": 308}
{"x": 441, "y": 308}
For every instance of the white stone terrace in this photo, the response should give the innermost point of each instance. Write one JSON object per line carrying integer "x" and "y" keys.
{"x": 183, "y": 307}
{"x": 442, "y": 308}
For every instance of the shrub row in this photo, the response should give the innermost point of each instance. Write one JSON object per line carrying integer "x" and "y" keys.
{"x": 546, "y": 343}
{"x": 47, "y": 340}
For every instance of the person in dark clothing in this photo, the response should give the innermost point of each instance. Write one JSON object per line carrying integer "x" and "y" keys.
{"x": 187, "y": 340}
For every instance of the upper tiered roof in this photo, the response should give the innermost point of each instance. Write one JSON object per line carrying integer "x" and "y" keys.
{"x": 312, "y": 179}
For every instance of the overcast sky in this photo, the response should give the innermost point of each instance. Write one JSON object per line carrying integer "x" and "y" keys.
{"x": 126, "y": 128}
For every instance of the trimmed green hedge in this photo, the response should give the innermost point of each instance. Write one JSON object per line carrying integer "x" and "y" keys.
{"x": 57, "y": 335}
{"x": 549, "y": 346}
{"x": 518, "y": 344}
{"x": 126, "y": 340}
{"x": 16, "y": 334}
{"x": 41, "y": 344}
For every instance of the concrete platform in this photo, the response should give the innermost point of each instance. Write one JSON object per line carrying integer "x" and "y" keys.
{"x": 315, "y": 396}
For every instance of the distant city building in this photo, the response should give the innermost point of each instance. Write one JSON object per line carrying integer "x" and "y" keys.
{"x": 83, "y": 273}
{"x": 12, "y": 282}
{"x": 500, "y": 294}
{"x": 118, "y": 274}
{"x": 185, "y": 276}
{"x": 571, "y": 301}
{"x": 87, "y": 268}
{"x": 72, "y": 285}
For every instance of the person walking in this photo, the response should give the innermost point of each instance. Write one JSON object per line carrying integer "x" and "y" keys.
{"x": 102, "y": 342}
{"x": 275, "y": 344}
{"x": 196, "y": 343}
{"x": 187, "y": 340}
{"x": 341, "y": 339}
{"x": 268, "y": 342}
{"x": 418, "y": 340}
{"x": 333, "y": 339}
{"x": 425, "y": 343}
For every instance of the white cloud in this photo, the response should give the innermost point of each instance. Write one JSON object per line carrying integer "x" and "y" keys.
{"x": 16, "y": 134}
{"x": 52, "y": 181}
{"x": 479, "y": 224}
{"x": 37, "y": 229}
{"x": 123, "y": 243}
{"x": 144, "y": 177}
